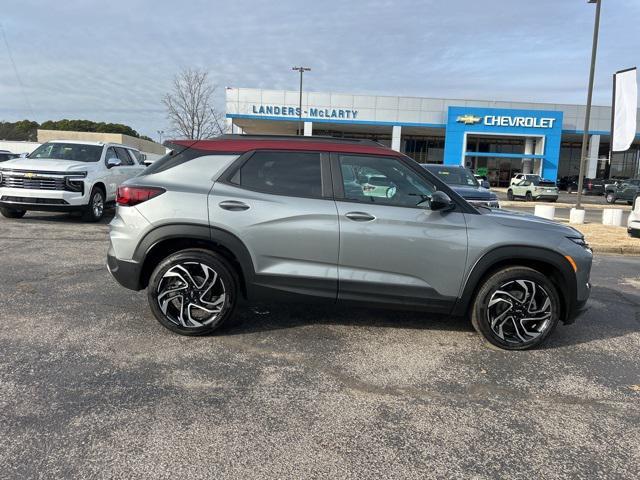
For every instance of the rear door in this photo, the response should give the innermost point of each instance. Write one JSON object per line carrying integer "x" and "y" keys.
{"x": 130, "y": 167}
{"x": 392, "y": 250}
{"x": 280, "y": 205}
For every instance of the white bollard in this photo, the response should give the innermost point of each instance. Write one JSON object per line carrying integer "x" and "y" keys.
{"x": 545, "y": 211}
{"x": 576, "y": 216}
{"x": 612, "y": 216}
{"x": 636, "y": 207}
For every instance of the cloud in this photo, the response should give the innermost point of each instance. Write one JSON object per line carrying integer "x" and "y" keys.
{"x": 113, "y": 61}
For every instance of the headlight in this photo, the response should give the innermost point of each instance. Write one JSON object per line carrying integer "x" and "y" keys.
{"x": 580, "y": 241}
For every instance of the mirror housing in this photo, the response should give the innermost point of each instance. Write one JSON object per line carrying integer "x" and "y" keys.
{"x": 485, "y": 184}
{"x": 113, "y": 162}
{"x": 441, "y": 201}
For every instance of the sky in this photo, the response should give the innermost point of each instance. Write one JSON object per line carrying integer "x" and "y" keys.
{"x": 113, "y": 61}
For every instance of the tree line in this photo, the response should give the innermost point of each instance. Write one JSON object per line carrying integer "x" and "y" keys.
{"x": 26, "y": 130}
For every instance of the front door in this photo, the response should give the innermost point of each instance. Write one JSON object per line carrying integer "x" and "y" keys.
{"x": 393, "y": 250}
{"x": 282, "y": 210}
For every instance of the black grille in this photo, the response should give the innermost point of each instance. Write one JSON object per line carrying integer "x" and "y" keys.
{"x": 39, "y": 201}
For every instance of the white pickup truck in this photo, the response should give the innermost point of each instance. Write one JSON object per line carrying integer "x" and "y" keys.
{"x": 67, "y": 176}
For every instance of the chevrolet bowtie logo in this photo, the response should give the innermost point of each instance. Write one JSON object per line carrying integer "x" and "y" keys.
{"x": 468, "y": 119}
{"x": 29, "y": 175}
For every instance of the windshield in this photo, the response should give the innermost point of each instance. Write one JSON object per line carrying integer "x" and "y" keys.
{"x": 455, "y": 176}
{"x": 76, "y": 152}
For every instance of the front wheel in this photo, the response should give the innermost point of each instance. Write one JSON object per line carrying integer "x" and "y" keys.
{"x": 95, "y": 209}
{"x": 192, "y": 292}
{"x": 516, "y": 308}
{"x": 610, "y": 198}
{"x": 510, "y": 195}
{"x": 12, "y": 213}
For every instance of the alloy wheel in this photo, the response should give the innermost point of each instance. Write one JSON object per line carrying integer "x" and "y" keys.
{"x": 97, "y": 205}
{"x": 519, "y": 311}
{"x": 191, "y": 295}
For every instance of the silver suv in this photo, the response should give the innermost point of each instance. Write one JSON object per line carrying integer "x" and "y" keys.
{"x": 249, "y": 218}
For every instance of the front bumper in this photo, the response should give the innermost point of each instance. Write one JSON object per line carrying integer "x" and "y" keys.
{"x": 47, "y": 200}
{"x": 126, "y": 272}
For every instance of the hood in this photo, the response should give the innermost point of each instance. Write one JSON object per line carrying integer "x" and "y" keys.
{"x": 473, "y": 193}
{"x": 47, "y": 165}
{"x": 526, "y": 220}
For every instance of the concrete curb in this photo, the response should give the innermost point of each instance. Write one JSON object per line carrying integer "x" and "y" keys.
{"x": 610, "y": 249}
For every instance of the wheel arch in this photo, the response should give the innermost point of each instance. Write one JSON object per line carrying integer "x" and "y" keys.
{"x": 167, "y": 239}
{"x": 546, "y": 261}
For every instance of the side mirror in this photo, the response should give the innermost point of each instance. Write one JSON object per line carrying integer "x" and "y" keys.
{"x": 485, "y": 184}
{"x": 441, "y": 201}
{"x": 113, "y": 162}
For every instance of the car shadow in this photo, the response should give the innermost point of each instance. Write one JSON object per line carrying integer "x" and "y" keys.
{"x": 268, "y": 317}
{"x": 610, "y": 314}
{"x": 69, "y": 218}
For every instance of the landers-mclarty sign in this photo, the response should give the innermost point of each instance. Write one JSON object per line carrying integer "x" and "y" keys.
{"x": 311, "y": 112}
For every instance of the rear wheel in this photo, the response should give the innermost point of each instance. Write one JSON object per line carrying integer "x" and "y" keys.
{"x": 12, "y": 213}
{"x": 509, "y": 194}
{"x": 610, "y": 198}
{"x": 516, "y": 308}
{"x": 192, "y": 292}
{"x": 569, "y": 189}
{"x": 528, "y": 197}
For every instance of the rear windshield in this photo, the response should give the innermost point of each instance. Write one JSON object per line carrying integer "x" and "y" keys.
{"x": 178, "y": 155}
{"x": 544, "y": 183}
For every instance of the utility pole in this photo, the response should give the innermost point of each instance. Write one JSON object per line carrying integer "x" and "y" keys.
{"x": 300, "y": 124}
{"x": 585, "y": 135}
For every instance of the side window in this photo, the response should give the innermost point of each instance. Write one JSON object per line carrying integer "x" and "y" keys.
{"x": 294, "y": 174}
{"x": 123, "y": 155}
{"x": 111, "y": 153}
{"x": 383, "y": 180}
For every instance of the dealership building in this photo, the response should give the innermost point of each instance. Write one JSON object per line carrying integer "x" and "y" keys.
{"x": 494, "y": 138}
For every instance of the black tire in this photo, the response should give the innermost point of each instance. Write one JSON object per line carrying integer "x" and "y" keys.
{"x": 12, "y": 213}
{"x": 95, "y": 208}
{"x": 553, "y": 200}
{"x": 510, "y": 195}
{"x": 629, "y": 202}
{"x": 528, "y": 197}
{"x": 569, "y": 190}
{"x": 201, "y": 264}
{"x": 514, "y": 338}
{"x": 610, "y": 197}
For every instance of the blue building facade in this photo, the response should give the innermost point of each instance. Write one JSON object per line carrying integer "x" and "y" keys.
{"x": 541, "y": 131}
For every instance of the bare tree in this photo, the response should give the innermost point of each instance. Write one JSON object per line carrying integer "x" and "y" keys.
{"x": 190, "y": 108}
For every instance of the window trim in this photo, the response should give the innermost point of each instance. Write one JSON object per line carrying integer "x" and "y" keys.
{"x": 338, "y": 185}
{"x": 325, "y": 174}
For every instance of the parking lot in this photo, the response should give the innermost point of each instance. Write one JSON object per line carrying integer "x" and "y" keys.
{"x": 93, "y": 387}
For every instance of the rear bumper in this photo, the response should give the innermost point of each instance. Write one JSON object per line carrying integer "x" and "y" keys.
{"x": 126, "y": 272}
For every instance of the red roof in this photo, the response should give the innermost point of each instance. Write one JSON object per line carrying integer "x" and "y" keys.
{"x": 236, "y": 145}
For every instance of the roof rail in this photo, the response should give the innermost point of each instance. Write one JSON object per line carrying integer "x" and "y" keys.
{"x": 301, "y": 138}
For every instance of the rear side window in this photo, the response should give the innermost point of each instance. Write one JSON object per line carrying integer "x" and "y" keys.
{"x": 294, "y": 174}
{"x": 123, "y": 155}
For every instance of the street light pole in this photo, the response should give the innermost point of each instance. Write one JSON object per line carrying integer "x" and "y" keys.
{"x": 160, "y": 133}
{"x": 300, "y": 125}
{"x": 585, "y": 135}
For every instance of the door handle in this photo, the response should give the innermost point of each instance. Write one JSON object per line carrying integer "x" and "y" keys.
{"x": 233, "y": 205}
{"x": 359, "y": 216}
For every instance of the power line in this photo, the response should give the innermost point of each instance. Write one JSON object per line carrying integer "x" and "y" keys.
{"x": 15, "y": 70}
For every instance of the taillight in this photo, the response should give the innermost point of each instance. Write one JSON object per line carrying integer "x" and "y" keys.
{"x": 129, "y": 196}
{"x": 590, "y": 185}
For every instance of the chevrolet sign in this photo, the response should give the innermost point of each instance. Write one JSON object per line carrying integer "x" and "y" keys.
{"x": 526, "y": 122}
{"x": 468, "y": 119}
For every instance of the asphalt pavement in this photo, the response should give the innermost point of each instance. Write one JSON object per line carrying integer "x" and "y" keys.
{"x": 93, "y": 387}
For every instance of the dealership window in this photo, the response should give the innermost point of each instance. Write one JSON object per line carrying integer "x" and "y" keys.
{"x": 626, "y": 164}
{"x": 424, "y": 149}
{"x": 294, "y": 174}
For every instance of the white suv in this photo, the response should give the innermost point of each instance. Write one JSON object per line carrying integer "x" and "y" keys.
{"x": 67, "y": 176}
